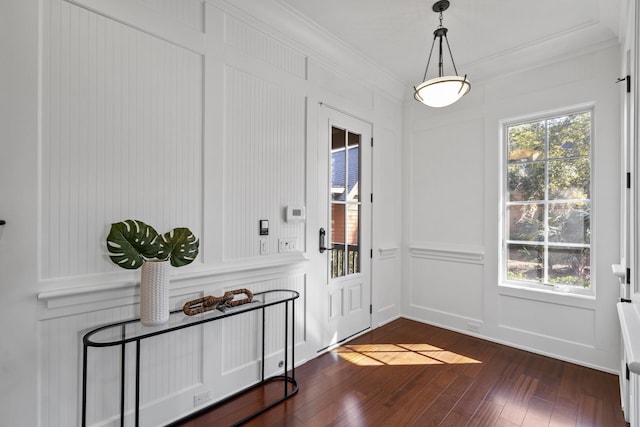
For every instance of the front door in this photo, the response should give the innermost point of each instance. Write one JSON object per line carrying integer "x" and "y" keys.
{"x": 344, "y": 237}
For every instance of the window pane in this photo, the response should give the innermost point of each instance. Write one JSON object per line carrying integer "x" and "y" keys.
{"x": 338, "y": 138}
{"x": 353, "y": 166}
{"x": 570, "y": 136}
{"x": 526, "y": 142}
{"x": 353, "y": 238}
{"x": 525, "y": 262}
{"x": 338, "y": 233}
{"x": 548, "y": 200}
{"x": 570, "y": 223}
{"x": 569, "y": 179}
{"x": 526, "y": 181}
{"x": 526, "y": 222}
{"x": 570, "y": 266}
{"x": 338, "y": 175}
{"x": 338, "y": 164}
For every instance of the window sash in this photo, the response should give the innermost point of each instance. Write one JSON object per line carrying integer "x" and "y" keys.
{"x": 539, "y": 225}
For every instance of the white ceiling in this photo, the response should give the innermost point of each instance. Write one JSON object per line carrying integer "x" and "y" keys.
{"x": 486, "y": 36}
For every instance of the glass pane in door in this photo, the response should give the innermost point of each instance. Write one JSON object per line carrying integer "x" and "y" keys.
{"x": 353, "y": 239}
{"x": 337, "y": 240}
{"x": 345, "y": 202}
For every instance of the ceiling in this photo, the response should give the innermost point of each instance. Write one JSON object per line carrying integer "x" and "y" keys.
{"x": 486, "y": 36}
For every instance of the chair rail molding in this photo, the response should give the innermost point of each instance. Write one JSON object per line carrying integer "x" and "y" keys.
{"x": 117, "y": 289}
{"x": 447, "y": 252}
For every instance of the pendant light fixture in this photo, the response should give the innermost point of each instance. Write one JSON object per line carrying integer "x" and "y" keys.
{"x": 442, "y": 90}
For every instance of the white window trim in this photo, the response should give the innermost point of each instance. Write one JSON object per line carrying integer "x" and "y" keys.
{"x": 565, "y": 294}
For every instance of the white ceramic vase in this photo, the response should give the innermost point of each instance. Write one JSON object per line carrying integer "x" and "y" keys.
{"x": 154, "y": 293}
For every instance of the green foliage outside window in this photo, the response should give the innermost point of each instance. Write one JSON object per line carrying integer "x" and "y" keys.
{"x": 548, "y": 200}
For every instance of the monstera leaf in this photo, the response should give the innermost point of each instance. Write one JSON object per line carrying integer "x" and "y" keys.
{"x": 131, "y": 242}
{"x": 181, "y": 246}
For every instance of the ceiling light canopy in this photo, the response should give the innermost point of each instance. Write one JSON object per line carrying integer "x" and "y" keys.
{"x": 442, "y": 90}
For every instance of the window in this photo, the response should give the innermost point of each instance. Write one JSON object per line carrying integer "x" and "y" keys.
{"x": 345, "y": 202}
{"x": 547, "y": 201}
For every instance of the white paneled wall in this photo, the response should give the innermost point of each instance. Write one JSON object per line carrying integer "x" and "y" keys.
{"x": 139, "y": 102}
{"x": 188, "y": 12}
{"x": 454, "y": 152}
{"x": 121, "y": 136}
{"x": 257, "y": 44}
{"x": 342, "y": 85}
{"x": 453, "y": 218}
{"x": 265, "y": 132}
{"x": 221, "y": 357}
{"x": 444, "y": 284}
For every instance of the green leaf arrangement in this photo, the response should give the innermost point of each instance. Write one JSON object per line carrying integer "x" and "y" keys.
{"x": 132, "y": 242}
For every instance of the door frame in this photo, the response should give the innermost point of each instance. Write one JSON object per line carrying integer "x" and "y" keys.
{"x": 328, "y": 116}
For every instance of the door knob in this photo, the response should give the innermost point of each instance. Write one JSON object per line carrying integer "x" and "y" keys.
{"x": 323, "y": 235}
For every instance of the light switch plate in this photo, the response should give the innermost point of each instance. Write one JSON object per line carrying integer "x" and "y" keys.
{"x": 264, "y": 246}
{"x": 286, "y": 245}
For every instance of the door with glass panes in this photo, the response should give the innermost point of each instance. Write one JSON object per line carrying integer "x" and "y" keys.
{"x": 344, "y": 238}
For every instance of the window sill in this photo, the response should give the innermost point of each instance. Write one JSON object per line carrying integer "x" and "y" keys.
{"x": 565, "y": 295}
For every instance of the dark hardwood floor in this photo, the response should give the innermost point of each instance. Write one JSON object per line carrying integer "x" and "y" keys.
{"x": 410, "y": 374}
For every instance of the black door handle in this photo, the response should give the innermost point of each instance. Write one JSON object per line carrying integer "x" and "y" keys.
{"x": 323, "y": 235}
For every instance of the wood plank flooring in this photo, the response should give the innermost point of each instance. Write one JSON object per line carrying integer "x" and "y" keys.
{"x": 410, "y": 374}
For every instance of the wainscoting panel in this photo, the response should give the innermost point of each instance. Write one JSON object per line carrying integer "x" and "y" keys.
{"x": 558, "y": 322}
{"x": 121, "y": 136}
{"x": 448, "y": 287}
{"x": 264, "y": 132}
{"x": 451, "y": 209}
{"x": 189, "y": 12}
{"x": 448, "y": 252}
{"x": 386, "y": 284}
{"x": 257, "y": 44}
{"x": 219, "y": 357}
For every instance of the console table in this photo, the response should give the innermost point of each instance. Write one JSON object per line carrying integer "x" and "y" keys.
{"x": 133, "y": 332}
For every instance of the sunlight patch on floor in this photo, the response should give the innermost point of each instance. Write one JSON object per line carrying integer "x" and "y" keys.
{"x": 400, "y": 354}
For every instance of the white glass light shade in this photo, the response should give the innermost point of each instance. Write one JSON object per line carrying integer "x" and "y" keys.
{"x": 442, "y": 91}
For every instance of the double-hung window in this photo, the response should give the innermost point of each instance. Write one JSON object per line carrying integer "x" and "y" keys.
{"x": 547, "y": 201}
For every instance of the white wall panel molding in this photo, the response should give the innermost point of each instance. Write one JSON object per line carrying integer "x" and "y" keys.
{"x": 284, "y": 23}
{"x": 174, "y": 367}
{"x": 388, "y": 252}
{"x": 189, "y": 12}
{"x": 264, "y": 132}
{"x": 446, "y": 286}
{"x": 260, "y": 45}
{"x": 549, "y": 295}
{"x": 121, "y": 136}
{"x": 447, "y": 252}
{"x": 524, "y": 315}
{"x": 60, "y": 353}
{"x": 630, "y": 325}
{"x": 180, "y": 22}
{"x": 572, "y": 352}
{"x": 117, "y": 292}
{"x": 341, "y": 85}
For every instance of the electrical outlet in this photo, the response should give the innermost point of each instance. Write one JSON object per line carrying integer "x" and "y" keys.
{"x": 201, "y": 398}
{"x": 286, "y": 245}
{"x": 473, "y": 327}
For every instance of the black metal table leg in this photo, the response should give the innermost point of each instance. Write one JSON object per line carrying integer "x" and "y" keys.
{"x": 137, "y": 383}
{"x": 84, "y": 385}
{"x": 122, "y": 375}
